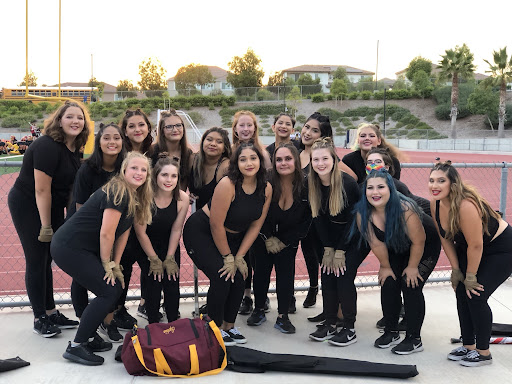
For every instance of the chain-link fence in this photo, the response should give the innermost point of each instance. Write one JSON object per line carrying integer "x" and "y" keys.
{"x": 491, "y": 179}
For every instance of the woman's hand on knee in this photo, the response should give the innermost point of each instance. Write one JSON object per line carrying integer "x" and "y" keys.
{"x": 412, "y": 277}
{"x": 384, "y": 273}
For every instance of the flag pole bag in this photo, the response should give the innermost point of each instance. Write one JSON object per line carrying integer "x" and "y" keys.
{"x": 183, "y": 348}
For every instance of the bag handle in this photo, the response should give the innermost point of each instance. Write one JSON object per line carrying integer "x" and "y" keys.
{"x": 163, "y": 368}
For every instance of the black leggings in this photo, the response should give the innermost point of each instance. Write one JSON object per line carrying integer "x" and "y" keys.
{"x": 475, "y": 315}
{"x": 38, "y": 273}
{"x": 414, "y": 301}
{"x": 223, "y": 297}
{"x": 85, "y": 267}
{"x": 342, "y": 290}
{"x": 154, "y": 289}
{"x": 284, "y": 262}
{"x": 312, "y": 250}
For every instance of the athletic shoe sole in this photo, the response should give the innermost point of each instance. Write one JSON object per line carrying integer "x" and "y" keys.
{"x": 419, "y": 349}
{"x": 391, "y": 343}
{"x": 47, "y": 335}
{"x": 326, "y": 337}
{"x": 455, "y": 358}
{"x": 107, "y": 337}
{"x": 229, "y": 343}
{"x": 66, "y": 326}
{"x": 282, "y": 330}
{"x": 79, "y": 360}
{"x": 258, "y": 323}
{"x": 475, "y": 363}
{"x": 343, "y": 344}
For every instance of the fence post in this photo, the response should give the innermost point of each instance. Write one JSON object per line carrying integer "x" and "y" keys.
{"x": 503, "y": 190}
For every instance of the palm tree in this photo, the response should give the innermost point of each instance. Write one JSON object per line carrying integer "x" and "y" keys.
{"x": 501, "y": 74}
{"x": 455, "y": 64}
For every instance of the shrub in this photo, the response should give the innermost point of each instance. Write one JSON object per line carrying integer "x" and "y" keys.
{"x": 494, "y": 118}
{"x": 318, "y": 98}
{"x": 335, "y": 124}
{"x": 188, "y": 106}
{"x": 211, "y": 106}
{"x": 104, "y": 113}
{"x": 369, "y": 117}
{"x": 264, "y": 94}
{"x": 301, "y": 119}
{"x": 355, "y": 118}
{"x": 19, "y": 120}
{"x": 265, "y": 125}
{"x": 330, "y": 97}
{"x": 366, "y": 95}
{"x": 270, "y": 131}
{"x": 196, "y": 117}
{"x": 332, "y": 113}
{"x": 443, "y": 112}
{"x": 353, "y": 95}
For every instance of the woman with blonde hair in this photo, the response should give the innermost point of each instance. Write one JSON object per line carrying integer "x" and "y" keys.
{"x": 369, "y": 136}
{"x": 478, "y": 244}
{"x": 89, "y": 246}
{"x": 37, "y": 202}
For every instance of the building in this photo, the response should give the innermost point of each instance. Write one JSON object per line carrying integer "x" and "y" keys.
{"x": 221, "y": 83}
{"x": 436, "y": 69}
{"x": 109, "y": 91}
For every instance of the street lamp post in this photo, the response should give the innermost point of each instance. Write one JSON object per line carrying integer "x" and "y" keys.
{"x": 384, "y": 114}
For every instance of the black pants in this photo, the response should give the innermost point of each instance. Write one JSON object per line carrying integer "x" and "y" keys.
{"x": 414, "y": 301}
{"x": 223, "y": 297}
{"x": 475, "y": 315}
{"x": 133, "y": 253}
{"x": 284, "y": 263}
{"x": 85, "y": 267}
{"x": 154, "y": 289}
{"x": 38, "y": 273}
{"x": 342, "y": 290}
{"x": 312, "y": 250}
{"x": 249, "y": 259}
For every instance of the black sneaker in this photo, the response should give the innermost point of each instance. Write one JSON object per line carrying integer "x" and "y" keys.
{"x": 141, "y": 311}
{"x": 381, "y": 324}
{"x": 310, "y": 298}
{"x": 475, "y": 359}
{"x": 284, "y": 324}
{"x": 266, "y": 306}
{"x": 124, "y": 320}
{"x": 228, "y": 340}
{"x": 44, "y": 327}
{"x": 344, "y": 337}
{"x": 97, "y": 344}
{"x": 82, "y": 355}
{"x": 408, "y": 345}
{"x": 458, "y": 353}
{"x": 62, "y": 321}
{"x": 340, "y": 323}
{"x": 203, "y": 309}
{"x": 387, "y": 340}
{"x": 293, "y": 307}
{"x": 323, "y": 333}
{"x": 110, "y": 332}
{"x": 237, "y": 336}
{"x": 257, "y": 317}
{"x": 318, "y": 318}
{"x": 246, "y": 306}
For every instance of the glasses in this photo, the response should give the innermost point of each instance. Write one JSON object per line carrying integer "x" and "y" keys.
{"x": 171, "y": 127}
{"x": 377, "y": 161}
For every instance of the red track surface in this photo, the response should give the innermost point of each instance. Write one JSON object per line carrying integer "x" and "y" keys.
{"x": 12, "y": 262}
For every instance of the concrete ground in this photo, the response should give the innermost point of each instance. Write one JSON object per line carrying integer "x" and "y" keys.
{"x": 48, "y": 366}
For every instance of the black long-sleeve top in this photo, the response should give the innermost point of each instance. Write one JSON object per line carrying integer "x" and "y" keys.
{"x": 333, "y": 230}
{"x": 289, "y": 225}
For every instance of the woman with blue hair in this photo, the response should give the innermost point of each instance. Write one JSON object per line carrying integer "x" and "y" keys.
{"x": 397, "y": 231}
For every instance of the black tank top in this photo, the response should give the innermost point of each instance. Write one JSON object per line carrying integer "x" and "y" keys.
{"x": 459, "y": 236}
{"x": 159, "y": 230}
{"x": 205, "y": 193}
{"x": 244, "y": 209}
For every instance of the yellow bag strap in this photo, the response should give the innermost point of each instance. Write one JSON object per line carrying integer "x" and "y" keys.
{"x": 162, "y": 366}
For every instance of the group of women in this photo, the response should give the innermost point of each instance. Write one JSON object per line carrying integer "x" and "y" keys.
{"x": 253, "y": 208}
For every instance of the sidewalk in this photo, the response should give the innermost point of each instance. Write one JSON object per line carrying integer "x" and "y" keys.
{"x": 48, "y": 366}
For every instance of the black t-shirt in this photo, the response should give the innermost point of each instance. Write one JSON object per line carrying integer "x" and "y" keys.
{"x": 54, "y": 159}
{"x": 82, "y": 230}
{"x": 87, "y": 181}
{"x": 272, "y": 148}
{"x": 354, "y": 160}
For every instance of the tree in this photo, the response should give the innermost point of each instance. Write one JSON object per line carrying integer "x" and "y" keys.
{"x": 456, "y": 63}
{"x": 340, "y": 73}
{"x": 366, "y": 84}
{"x": 501, "y": 74}
{"x": 294, "y": 97}
{"x": 418, "y": 64}
{"x": 245, "y": 71}
{"x": 95, "y": 83}
{"x": 31, "y": 79}
{"x": 339, "y": 88}
{"x": 484, "y": 101}
{"x": 421, "y": 83}
{"x": 276, "y": 79}
{"x": 309, "y": 85}
{"x": 126, "y": 89}
{"x": 191, "y": 75}
{"x": 152, "y": 75}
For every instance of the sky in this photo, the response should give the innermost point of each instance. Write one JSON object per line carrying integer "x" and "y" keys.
{"x": 120, "y": 34}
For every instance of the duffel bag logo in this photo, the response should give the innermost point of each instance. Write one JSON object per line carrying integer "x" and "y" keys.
{"x": 171, "y": 329}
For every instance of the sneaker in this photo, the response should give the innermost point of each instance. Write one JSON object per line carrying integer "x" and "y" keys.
{"x": 124, "y": 320}
{"x": 266, "y": 306}
{"x": 141, "y": 311}
{"x": 237, "y": 336}
{"x": 458, "y": 353}
{"x": 257, "y": 317}
{"x": 310, "y": 298}
{"x": 44, "y": 327}
{"x": 318, "y": 318}
{"x": 344, "y": 337}
{"x": 97, "y": 344}
{"x": 408, "y": 345}
{"x": 246, "y": 306}
{"x": 381, "y": 324}
{"x": 62, "y": 321}
{"x": 82, "y": 355}
{"x": 323, "y": 333}
{"x": 387, "y": 340}
{"x": 110, "y": 332}
{"x": 284, "y": 324}
{"x": 293, "y": 307}
{"x": 228, "y": 340}
{"x": 475, "y": 359}
{"x": 203, "y": 309}
{"x": 339, "y": 323}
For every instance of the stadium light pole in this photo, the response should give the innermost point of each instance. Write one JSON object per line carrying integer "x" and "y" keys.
{"x": 59, "y": 41}
{"x": 26, "y": 48}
